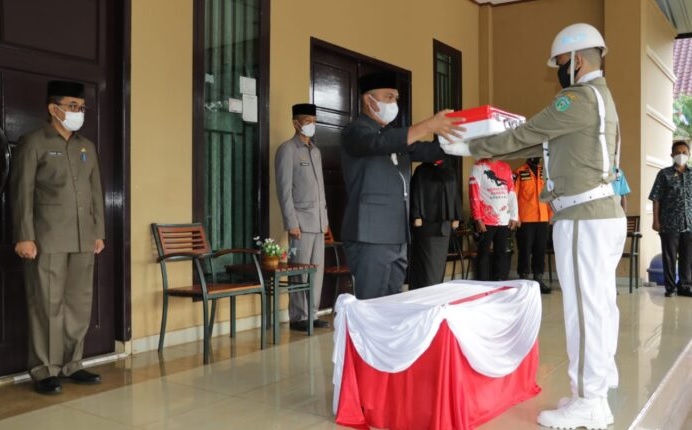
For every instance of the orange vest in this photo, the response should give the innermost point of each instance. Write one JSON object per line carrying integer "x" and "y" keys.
{"x": 528, "y": 188}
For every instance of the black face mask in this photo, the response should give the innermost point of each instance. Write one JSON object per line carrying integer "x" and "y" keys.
{"x": 563, "y": 75}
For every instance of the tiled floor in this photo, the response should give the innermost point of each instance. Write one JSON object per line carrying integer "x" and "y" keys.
{"x": 289, "y": 386}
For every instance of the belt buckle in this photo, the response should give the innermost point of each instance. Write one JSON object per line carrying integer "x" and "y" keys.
{"x": 553, "y": 205}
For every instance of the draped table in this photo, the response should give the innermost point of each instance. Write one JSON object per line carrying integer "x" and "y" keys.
{"x": 449, "y": 356}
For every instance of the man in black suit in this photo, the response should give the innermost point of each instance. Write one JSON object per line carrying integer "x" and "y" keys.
{"x": 376, "y": 161}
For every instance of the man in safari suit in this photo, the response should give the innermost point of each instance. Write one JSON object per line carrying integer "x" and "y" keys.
{"x": 300, "y": 188}
{"x": 57, "y": 215}
{"x": 578, "y": 136}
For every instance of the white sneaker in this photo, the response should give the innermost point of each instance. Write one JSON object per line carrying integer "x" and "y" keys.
{"x": 609, "y": 414}
{"x": 578, "y": 412}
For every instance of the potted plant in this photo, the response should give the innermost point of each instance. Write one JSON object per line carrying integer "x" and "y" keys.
{"x": 271, "y": 251}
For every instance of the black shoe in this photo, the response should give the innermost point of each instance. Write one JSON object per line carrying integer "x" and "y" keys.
{"x": 50, "y": 385}
{"x": 670, "y": 293}
{"x": 299, "y": 325}
{"x": 685, "y": 292}
{"x": 84, "y": 377}
{"x": 544, "y": 288}
{"x": 317, "y": 323}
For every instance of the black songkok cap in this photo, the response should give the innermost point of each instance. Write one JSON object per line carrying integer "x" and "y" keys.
{"x": 65, "y": 89}
{"x": 377, "y": 80}
{"x": 304, "y": 109}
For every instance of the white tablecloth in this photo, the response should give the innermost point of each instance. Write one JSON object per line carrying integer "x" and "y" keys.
{"x": 495, "y": 332}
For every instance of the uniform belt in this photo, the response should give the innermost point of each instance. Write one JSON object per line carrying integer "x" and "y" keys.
{"x": 564, "y": 202}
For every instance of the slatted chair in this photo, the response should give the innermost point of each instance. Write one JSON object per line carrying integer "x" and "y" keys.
{"x": 188, "y": 243}
{"x": 550, "y": 253}
{"x": 338, "y": 269}
{"x": 468, "y": 248}
{"x": 633, "y": 236}
{"x": 455, "y": 254}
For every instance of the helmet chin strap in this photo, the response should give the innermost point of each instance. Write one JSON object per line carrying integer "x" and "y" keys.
{"x": 571, "y": 68}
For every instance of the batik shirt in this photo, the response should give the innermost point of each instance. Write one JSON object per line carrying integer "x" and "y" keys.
{"x": 673, "y": 192}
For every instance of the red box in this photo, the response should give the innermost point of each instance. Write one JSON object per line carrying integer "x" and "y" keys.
{"x": 484, "y": 121}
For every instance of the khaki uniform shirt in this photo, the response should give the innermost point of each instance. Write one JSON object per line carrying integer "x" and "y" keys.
{"x": 300, "y": 186}
{"x": 56, "y": 190}
{"x": 570, "y": 124}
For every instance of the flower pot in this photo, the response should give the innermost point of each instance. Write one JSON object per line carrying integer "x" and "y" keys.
{"x": 270, "y": 261}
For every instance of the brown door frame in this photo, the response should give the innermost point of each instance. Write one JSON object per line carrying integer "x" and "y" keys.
{"x": 262, "y": 161}
{"x": 457, "y": 56}
{"x": 123, "y": 297}
{"x": 457, "y": 90}
{"x": 332, "y": 118}
{"x": 118, "y": 197}
{"x": 364, "y": 60}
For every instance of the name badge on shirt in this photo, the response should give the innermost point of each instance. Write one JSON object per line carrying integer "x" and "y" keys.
{"x": 304, "y": 163}
{"x": 54, "y": 153}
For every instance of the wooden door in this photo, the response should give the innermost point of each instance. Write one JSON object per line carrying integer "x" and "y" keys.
{"x": 43, "y": 40}
{"x": 335, "y": 73}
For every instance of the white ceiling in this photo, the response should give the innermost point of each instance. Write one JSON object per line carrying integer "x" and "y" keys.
{"x": 678, "y": 12}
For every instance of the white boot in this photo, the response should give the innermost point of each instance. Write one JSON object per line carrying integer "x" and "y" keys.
{"x": 609, "y": 414}
{"x": 578, "y": 412}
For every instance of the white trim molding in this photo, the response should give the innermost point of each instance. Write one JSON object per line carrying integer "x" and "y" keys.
{"x": 194, "y": 334}
{"x": 657, "y": 162}
{"x": 660, "y": 64}
{"x": 660, "y": 118}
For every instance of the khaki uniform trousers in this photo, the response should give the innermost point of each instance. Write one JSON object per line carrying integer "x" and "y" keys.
{"x": 59, "y": 289}
{"x": 309, "y": 249}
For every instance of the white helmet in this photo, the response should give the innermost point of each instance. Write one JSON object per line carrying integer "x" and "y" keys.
{"x": 575, "y": 38}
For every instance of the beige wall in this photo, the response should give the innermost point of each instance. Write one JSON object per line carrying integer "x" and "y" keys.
{"x": 394, "y": 31}
{"x": 522, "y": 35}
{"x": 639, "y": 66}
{"x": 640, "y": 53}
{"x": 517, "y": 38}
{"x": 161, "y": 116}
{"x": 623, "y": 35}
{"x": 161, "y": 151}
{"x": 504, "y": 52}
{"x": 657, "y": 128}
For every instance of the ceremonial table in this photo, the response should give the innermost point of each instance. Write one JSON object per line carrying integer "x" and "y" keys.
{"x": 449, "y": 356}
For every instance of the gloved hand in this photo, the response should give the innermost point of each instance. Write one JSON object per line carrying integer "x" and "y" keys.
{"x": 460, "y": 149}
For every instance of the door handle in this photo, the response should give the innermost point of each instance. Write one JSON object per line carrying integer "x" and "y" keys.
{"x": 6, "y": 156}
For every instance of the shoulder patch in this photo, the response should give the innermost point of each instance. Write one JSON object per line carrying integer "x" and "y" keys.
{"x": 564, "y": 101}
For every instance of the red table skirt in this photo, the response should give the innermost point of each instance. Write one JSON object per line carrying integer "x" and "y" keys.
{"x": 440, "y": 391}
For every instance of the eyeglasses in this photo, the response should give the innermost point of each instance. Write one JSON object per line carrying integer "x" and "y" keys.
{"x": 74, "y": 107}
